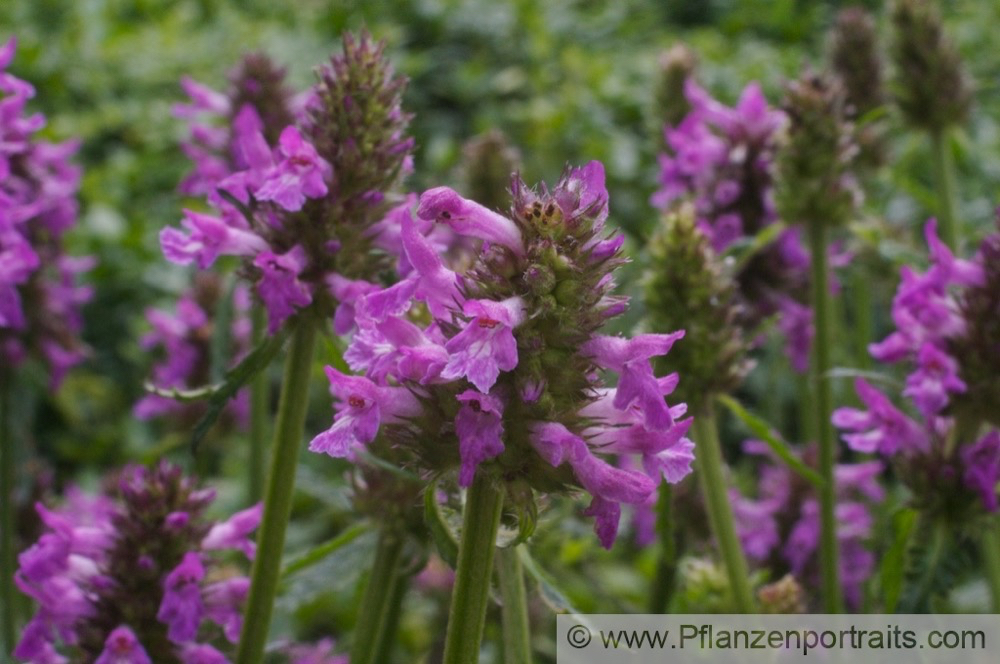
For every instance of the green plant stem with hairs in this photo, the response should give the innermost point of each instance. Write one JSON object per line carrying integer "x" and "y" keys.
{"x": 471, "y": 594}
{"x": 944, "y": 184}
{"x": 710, "y": 467}
{"x": 514, "y": 611}
{"x": 8, "y": 609}
{"x": 666, "y": 564}
{"x": 374, "y": 615}
{"x": 288, "y": 433}
{"x": 259, "y": 414}
{"x": 822, "y": 404}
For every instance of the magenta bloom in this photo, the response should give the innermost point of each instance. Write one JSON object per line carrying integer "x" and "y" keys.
{"x": 882, "y": 428}
{"x": 208, "y": 238}
{"x": 486, "y": 345}
{"x": 982, "y": 468}
{"x": 234, "y": 533}
{"x": 467, "y": 217}
{"x": 182, "y": 607}
{"x": 123, "y": 648}
{"x": 479, "y": 426}
{"x": 366, "y": 406}
{"x": 300, "y": 174}
{"x": 279, "y": 287}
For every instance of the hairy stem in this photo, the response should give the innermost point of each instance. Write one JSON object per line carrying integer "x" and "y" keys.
{"x": 712, "y": 477}
{"x": 989, "y": 550}
{"x": 666, "y": 564}
{"x": 278, "y": 498}
{"x": 944, "y": 184}
{"x": 259, "y": 407}
{"x": 380, "y": 593}
{"x": 514, "y": 613}
{"x": 470, "y": 596}
{"x": 822, "y": 403}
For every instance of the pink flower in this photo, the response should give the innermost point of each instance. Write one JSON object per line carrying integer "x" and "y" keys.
{"x": 122, "y": 647}
{"x": 301, "y": 173}
{"x": 182, "y": 608}
{"x": 486, "y": 345}
{"x": 882, "y": 428}
{"x": 480, "y": 429}
{"x": 233, "y": 533}
{"x": 207, "y": 238}
{"x": 466, "y": 217}
{"x": 279, "y": 286}
{"x": 364, "y": 406}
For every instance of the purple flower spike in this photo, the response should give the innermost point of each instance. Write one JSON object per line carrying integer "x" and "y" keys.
{"x": 437, "y": 285}
{"x": 479, "y": 428}
{"x": 637, "y": 385}
{"x": 234, "y": 532}
{"x": 466, "y": 217}
{"x": 279, "y": 286}
{"x": 365, "y": 406}
{"x": 486, "y": 345}
{"x": 207, "y": 238}
{"x": 123, "y": 648}
{"x": 301, "y": 173}
{"x": 882, "y": 428}
{"x": 182, "y": 608}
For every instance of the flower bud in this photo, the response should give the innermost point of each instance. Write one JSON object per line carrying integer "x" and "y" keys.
{"x": 687, "y": 287}
{"x": 676, "y": 66}
{"x": 488, "y": 161}
{"x": 783, "y": 596}
{"x": 932, "y": 85}
{"x": 814, "y": 181}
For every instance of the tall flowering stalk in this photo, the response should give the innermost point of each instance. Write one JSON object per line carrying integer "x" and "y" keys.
{"x": 39, "y": 298}
{"x": 308, "y": 216}
{"x": 687, "y": 284}
{"x": 948, "y": 454}
{"x": 721, "y": 159}
{"x": 933, "y": 93}
{"x": 816, "y": 189}
{"x": 134, "y": 575}
{"x": 495, "y": 373}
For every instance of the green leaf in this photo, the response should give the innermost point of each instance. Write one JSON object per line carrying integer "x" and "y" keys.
{"x": 236, "y": 378}
{"x": 442, "y": 533}
{"x": 321, "y": 552}
{"x": 893, "y": 566}
{"x": 547, "y": 588}
{"x": 744, "y": 250}
{"x": 871, "y": 376}
{"x": 763, "y": 430}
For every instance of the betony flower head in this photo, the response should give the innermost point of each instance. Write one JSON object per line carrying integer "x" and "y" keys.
{"x": 305, "y": 192}
{"x": 495, "y": 371}
{"x": 133, "y": 578}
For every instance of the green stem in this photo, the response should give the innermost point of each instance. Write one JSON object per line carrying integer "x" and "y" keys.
{"x": 925, "y": 554}
{"x": 944, "y": 183}
{"x": 514, "y": 612}
{"x": 278, "y": 499}
{"x": 259, "y": 407}
{"x": 383, "y": 650}
{"x": 989, "y": 550}
{"x": 830, "y": 583}
{"x": 376, "y": 605}
{"x": 712, "y": 477}
{"x": 7, "y": 513}
{"x": 666, "y": 564}
{"x": 470, "y": 596}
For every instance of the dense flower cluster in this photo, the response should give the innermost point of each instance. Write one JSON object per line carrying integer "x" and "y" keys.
{"x": 721, "y": 159}
{"x": 38, "y": 186}
{"x": 780, "y": 526}
{"x": 309, "y": 209}
{"x": 185, "y": 338}
{"x": 497, "y": 369}
{"x": 135, "y": 577}
{"x": 952, "y": 451}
